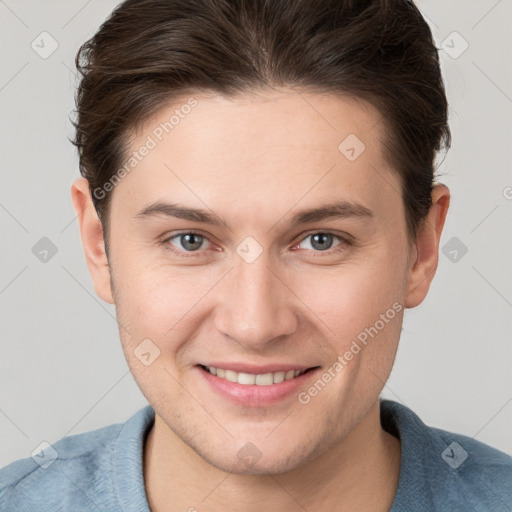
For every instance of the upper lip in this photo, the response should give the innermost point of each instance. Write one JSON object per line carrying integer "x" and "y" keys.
{"x": 257, "y": 369}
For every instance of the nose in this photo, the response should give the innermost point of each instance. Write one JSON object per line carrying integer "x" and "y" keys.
{"x": 255, "y": 306}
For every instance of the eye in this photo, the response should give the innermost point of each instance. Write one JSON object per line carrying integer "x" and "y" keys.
{"x": 191, "y": 242}
{"x": 188, "y": 242}
{"x": 322, "y": 241}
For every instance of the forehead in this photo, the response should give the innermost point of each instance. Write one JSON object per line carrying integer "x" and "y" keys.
{"x": 285, "y": 145}
{"x": 264, "y": 119}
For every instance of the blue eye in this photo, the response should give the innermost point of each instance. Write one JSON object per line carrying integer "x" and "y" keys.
{"x": 322, "y": 241}
{"x": 189, "y": 242}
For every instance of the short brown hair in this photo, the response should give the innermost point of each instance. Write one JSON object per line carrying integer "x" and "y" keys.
{"x": 150, "y": 51}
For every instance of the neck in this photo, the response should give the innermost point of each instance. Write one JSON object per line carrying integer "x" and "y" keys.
{"x": 359, "y": 473}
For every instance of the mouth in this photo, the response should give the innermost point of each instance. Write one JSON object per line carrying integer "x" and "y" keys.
{"x": 258, "y": 379}
{"x": 261, "y": 386}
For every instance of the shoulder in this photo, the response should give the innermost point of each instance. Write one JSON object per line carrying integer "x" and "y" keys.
{"x": 58, "y": 469}
{"x": 76, "y": 470}
{"x": 475, "y": 471}
{"x": 444, "y": 470}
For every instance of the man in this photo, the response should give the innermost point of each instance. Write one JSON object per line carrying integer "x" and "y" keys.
{"x": 258, "y": 200}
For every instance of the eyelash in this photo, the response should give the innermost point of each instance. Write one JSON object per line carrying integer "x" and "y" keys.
{"x": 344, "y": 243}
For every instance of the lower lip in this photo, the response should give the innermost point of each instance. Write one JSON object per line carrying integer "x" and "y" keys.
{"x": 253, "y": 395}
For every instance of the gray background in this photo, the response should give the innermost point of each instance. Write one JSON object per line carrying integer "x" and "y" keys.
{"x": 62, "y": 368}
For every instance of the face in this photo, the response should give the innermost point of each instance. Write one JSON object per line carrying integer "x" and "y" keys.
{"x": 253, "y": 283}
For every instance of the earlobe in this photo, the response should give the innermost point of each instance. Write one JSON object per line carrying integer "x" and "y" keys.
{"x": 91, "y": 233}
{"x": 426, "y": 251}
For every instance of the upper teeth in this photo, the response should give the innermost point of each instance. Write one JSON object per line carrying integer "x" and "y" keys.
{"x": 263, "y": 379}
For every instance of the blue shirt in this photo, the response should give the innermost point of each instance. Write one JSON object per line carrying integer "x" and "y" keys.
{"x": 101, "y": 470}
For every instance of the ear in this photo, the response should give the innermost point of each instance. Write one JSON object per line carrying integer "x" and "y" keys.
{"x": 93, "y": 243}
{"x": 425, "y": 254}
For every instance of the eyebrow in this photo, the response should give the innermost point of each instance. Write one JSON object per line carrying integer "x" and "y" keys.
{"x": 338, "y": 210}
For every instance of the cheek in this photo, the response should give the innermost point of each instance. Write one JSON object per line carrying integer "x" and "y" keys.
{"x": 158, "y": 311}
{"x": 159, "y": 301}
{"x": 353, "y": 296}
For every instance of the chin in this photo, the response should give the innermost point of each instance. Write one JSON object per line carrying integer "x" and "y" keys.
{"x": 248, "y": 459}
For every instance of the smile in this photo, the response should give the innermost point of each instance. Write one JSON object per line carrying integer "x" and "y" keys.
{"x": 248, "y": 379}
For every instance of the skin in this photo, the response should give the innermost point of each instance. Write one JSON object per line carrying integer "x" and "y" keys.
{"x": 271, "y": 153}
